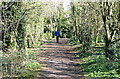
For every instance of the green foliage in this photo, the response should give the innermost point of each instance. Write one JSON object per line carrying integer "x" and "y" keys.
{"x": 37, "y": 45}
{"x": 74, "y": 41}
{"x": 47, "y": 36}
{"x": 28, "y": 24}
{"x": 30, "y": 67}
{"x": 33, "y": 66}
{"x": 23, "y": 68}
{"x": 86, "y": 54}
{"x": 96, "y": 65}
{"x": 29, "y": 70}
{"x": 31, "y": 54}
{"x": 25, "y": 73}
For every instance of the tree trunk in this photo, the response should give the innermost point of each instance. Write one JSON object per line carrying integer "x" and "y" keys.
{"x": 109, "y": 52}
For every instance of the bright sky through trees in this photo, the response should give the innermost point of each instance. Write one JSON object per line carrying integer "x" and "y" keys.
{"x": 66, "y": 3}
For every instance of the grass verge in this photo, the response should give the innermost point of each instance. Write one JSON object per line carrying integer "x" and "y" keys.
{"x": 94, "y": 64}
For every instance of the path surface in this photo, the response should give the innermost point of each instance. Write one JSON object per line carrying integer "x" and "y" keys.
{"x": 59, "y": 60}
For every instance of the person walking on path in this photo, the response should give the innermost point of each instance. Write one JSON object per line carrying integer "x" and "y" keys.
{"x": 57, "y": 34}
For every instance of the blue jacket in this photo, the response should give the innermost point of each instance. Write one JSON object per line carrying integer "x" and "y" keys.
{"x": 57, "y": 33}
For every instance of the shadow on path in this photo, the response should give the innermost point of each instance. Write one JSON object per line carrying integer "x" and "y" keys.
{"x": 59, "y": 60}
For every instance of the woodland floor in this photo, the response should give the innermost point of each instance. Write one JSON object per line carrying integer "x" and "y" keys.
{"x": 58, "y": 60}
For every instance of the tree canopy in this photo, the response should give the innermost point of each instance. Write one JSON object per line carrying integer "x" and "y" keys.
{"x": 26, "y": 25}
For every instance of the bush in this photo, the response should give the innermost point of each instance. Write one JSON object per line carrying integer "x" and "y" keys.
{"x": 33, "y": 65}
{"x": 26, "y": 67}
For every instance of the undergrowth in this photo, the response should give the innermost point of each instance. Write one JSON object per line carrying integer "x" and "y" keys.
{"x": 14, "y": 65}
{"x": 93, "y": 61}
{"x": 95, "y": 64}
{"x": 31, "y": 66}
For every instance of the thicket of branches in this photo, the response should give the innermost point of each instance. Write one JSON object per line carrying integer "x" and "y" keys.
{"x": 27, "y": 24}
{"x": 97, "y": 23}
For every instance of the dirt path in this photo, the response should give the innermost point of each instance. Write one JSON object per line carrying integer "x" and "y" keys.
{"x": 59, "y": 60}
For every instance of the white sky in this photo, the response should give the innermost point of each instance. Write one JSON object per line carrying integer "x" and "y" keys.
{"x": 66, "y": 3}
